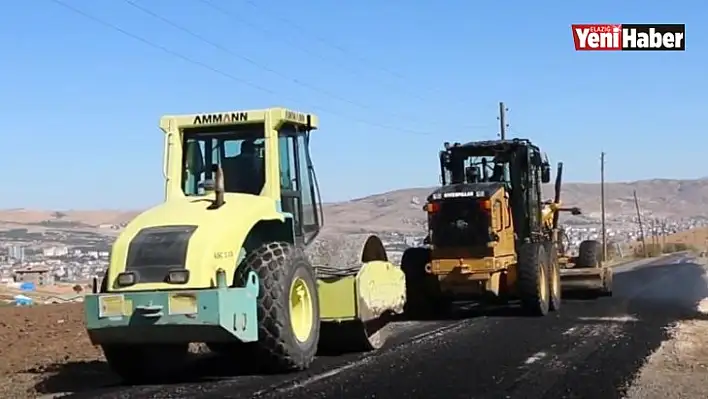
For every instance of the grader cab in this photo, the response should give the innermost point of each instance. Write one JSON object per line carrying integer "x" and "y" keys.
{"x": 486, "y": 239}
{"x": 234, "y": 257}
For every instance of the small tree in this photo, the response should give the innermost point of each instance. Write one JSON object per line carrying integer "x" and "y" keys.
{"x": 78, "y": 288}
{"x": 670, "y": 247}
{"x": 612, "y": 251}
{"x": 58, "y": 215}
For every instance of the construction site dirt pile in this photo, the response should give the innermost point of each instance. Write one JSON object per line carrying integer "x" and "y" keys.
{"x": 37, "y": 342}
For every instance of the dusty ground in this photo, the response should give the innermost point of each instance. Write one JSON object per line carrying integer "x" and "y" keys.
{"x": 679, "y": 367}
{"x": 45, "y": 349}
{"x": 36, "y": 341}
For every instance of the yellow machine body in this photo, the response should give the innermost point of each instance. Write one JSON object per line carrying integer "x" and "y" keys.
{"x": 488, "y": 268}
{"x": 174, "y": 273}
{"x": 486, "y": 238}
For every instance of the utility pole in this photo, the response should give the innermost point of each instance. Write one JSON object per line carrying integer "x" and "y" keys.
{"x": 664, "y": 231}
{"x": 641, "y": 228}
{"x": 652, "y": 231}
{"x": 502, "y": 121}
{"x": 602, "y": 206}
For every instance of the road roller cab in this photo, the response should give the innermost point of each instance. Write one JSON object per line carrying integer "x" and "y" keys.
{"x": 234, "y": 257}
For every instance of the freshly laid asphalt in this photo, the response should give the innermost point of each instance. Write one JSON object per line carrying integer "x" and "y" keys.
{"x": 589, "y": 349}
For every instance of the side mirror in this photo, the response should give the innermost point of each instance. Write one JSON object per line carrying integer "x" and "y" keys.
{"x": 545, "y": 173}
{"x": 195, "y": 160}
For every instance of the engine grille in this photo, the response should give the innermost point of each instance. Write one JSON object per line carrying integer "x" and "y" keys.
{"x": 460, "y": 223}
{"x": 156, "y": 250}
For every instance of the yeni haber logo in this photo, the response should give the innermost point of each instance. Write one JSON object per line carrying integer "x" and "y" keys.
{"x": 626, "y": 37}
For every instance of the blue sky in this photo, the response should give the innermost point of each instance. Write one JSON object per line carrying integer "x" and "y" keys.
{"x": 390, "y": 80}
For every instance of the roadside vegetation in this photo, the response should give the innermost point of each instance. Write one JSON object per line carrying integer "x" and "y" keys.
{"x": 654, "y": 249}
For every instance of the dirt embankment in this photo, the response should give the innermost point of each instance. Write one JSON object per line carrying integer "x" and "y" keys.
{"x": 45, "y": 350}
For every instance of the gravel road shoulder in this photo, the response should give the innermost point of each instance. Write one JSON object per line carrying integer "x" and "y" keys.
{"x": 679, "y": 367}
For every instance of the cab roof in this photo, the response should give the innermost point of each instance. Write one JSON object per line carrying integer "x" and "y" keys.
{"x": 277, "y": 116}
{"x": 480, "y": 147}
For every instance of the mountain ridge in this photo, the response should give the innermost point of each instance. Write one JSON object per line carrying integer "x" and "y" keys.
{"x": 661, "y": 197}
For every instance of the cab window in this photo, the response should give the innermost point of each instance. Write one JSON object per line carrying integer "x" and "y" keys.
{"x": 239, "y": 152}
{"x": 299, "y": 194}
{"x": 287, "y": 163}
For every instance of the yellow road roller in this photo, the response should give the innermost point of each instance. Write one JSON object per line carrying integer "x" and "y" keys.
{"x": 234, "y": 257}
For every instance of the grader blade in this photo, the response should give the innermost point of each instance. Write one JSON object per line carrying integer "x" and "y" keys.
{"x": 581, "y": 279}
{"x": 596, "y": 280}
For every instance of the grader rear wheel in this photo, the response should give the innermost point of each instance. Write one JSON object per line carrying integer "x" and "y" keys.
{"x": 554, "y": 279}
{"x": 534, "y": 290}
{"x": 423, "y": 298}
{"x": 288, "y": 307}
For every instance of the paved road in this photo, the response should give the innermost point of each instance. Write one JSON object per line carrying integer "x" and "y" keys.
{"x": 589, "y": 349}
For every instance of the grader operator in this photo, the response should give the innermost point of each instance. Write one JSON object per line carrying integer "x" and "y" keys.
{"x": 234, "y": 257}
{"x": 486, "y": 238}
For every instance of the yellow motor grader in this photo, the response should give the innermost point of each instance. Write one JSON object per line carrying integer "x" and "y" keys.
{"x": 234, "y": 257}
{"x": 486, "y": 234}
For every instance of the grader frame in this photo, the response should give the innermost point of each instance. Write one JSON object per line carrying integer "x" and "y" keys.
{"x": 486, "y": 239}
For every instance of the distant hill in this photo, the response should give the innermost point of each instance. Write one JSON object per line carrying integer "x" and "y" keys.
{"x": 660, "y": 197}
{"x": 401, "y": 209}
{"x": 83, "y": 217}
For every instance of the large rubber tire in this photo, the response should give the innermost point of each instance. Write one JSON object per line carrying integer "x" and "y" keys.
{"x": 554, "y": 279}
{"x": 533, "y": 285}
{"x": 278, "y": 265}
{"x": 589, "y": 254}
{"x": 423, "y": 298}
{"x": 146, "y": 364}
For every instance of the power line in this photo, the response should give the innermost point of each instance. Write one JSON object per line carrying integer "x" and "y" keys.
{"x": 221, "y": 72}
{"x": 306, "y": 49}
{"x": 363, "y": 60}
{"x": 331, "y": 44}
{"x": 251, "y": 61}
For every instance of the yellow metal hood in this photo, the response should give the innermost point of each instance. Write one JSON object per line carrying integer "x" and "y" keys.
{"x": 215, "y": 243}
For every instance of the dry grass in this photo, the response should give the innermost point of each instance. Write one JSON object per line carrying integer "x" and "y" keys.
{"x": 697, "y": 238}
